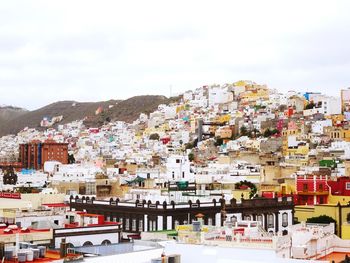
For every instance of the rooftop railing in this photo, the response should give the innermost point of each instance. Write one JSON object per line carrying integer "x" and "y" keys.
{"x": 243, "y": 203}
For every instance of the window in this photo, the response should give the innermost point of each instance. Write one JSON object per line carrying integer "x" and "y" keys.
{"x": 140, "y": 225}
{"x": 320, "y": 187}
{"x": 127, "y": 224}
{"x": 284, "y": 219}
{"x": 106, "y": 242}
{"x": 87, "y": 243}
{"x": 133, "y": 225}
{"x": 177, "y": 160}
{"x": 248, "y": 218}
{"x": 305, "y": 187}
{"x": 152, "y": 225}
{"x": 183, "y": 174}
{"x": 173, "y": 175}
{"x": 233, "y": 219}
{"x": 259, "y": 218}
{"x": 347, "y": 186}
{"x": 210, "y": 221}
{"x": 321, "y": 200}
{"x": 270, "y": 221}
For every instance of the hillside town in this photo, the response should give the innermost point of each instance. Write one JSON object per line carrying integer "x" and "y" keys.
{"x": 223, "y": 172}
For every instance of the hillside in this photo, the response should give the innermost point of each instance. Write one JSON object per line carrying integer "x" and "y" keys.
{"x": 10, "y": 112}
{"x": 127, "y": 110}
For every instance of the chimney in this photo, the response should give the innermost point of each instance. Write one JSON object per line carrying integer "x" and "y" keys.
{"x": 2, "y": 250}
{"x": 63, "y": 248}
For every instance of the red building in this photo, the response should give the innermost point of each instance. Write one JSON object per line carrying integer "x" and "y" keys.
{"x": 165, "y": 140}
{"x": 341, "y": 186}
{"x": 33, "y": 155}
{"x": 312, "y": 189}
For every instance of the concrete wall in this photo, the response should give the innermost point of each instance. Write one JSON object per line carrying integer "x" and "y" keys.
{"x": 96, "y": 239}
{"x": 39, "y": 199}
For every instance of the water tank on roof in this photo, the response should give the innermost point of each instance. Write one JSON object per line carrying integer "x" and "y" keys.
{"x": 182, "y": 185}
{"x": 196, "y": 226}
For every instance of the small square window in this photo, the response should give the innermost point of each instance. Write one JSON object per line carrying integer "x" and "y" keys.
{"x": 347, "y": 186}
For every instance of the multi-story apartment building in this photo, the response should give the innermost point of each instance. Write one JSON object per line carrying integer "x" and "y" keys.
{"x": 34, "y": 154}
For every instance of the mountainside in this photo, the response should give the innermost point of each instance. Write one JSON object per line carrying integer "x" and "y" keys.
{"x": 126, "y": 110}
{"x": 10, "y": 112}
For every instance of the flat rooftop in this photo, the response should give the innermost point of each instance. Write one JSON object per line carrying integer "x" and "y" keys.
{"x": 115, "y": 249}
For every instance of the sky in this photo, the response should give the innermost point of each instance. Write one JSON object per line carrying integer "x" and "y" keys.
{"x": 100, "y": 50}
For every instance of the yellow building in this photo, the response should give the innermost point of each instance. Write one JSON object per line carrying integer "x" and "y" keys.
{"x": 254, "y": 93}
{"x": 297, "y": 155}
{"x": 289, "y": 132}
{"x": 160, "y": 130}
{"x": 300, "y": 150}
{"x": 271, "y": 173}
{"x": 224, "y": 132}
{"x": 339, "y": 212}
{"x": 223, "y": 118}
{"x": 238, "y": 194}
{"x": 337, "y": 118}
{"x": 284, "y": 186}
{"x": 285, "y": 134}
{"x": 338, "y": 133}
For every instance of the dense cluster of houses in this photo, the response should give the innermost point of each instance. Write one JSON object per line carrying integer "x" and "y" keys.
{"x": 231, "y": 153}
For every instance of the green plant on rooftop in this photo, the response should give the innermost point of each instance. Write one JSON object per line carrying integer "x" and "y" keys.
{"x": 245, "y": 185}
{"x": 322, "y": 219}
{"x": 154, "y": 136}
{"x": 310, "y": 105}
{"x": 218, "y": 141}
{"x": 189, "y": 145}
{"x": 255, "y": 133}
{"x": 269, "y": 133}
{"x": 191, "y": 156}
{"x": 243, "y": 131}
{"x": 71, "y": 158}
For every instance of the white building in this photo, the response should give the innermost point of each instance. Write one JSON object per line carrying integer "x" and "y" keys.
{"x": 31, "y": 178}
{"x": 317, "y": 126}
{"x": 178, "y": 168}
{"x": 74, "y": 173}
{"x": 218, "y": 95}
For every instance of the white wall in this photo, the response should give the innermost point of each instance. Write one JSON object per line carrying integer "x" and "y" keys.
{"x": 96, "y": 239}
{"x": 219, "y": 95}
{"x": 317, "y": 127}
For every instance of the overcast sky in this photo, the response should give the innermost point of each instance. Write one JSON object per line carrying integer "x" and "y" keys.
{"x": 100, "y": 50}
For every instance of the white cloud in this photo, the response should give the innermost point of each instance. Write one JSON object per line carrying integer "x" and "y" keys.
{"x": 98, "y": 50}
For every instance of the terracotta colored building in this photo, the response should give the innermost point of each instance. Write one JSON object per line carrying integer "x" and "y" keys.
{"x": 33, "y": 155}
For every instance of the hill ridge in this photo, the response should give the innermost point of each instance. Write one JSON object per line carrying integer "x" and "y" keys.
{"x": 124, "y": 110}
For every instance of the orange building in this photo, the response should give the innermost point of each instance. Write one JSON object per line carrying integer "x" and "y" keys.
{"x": 33, "y": 155}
